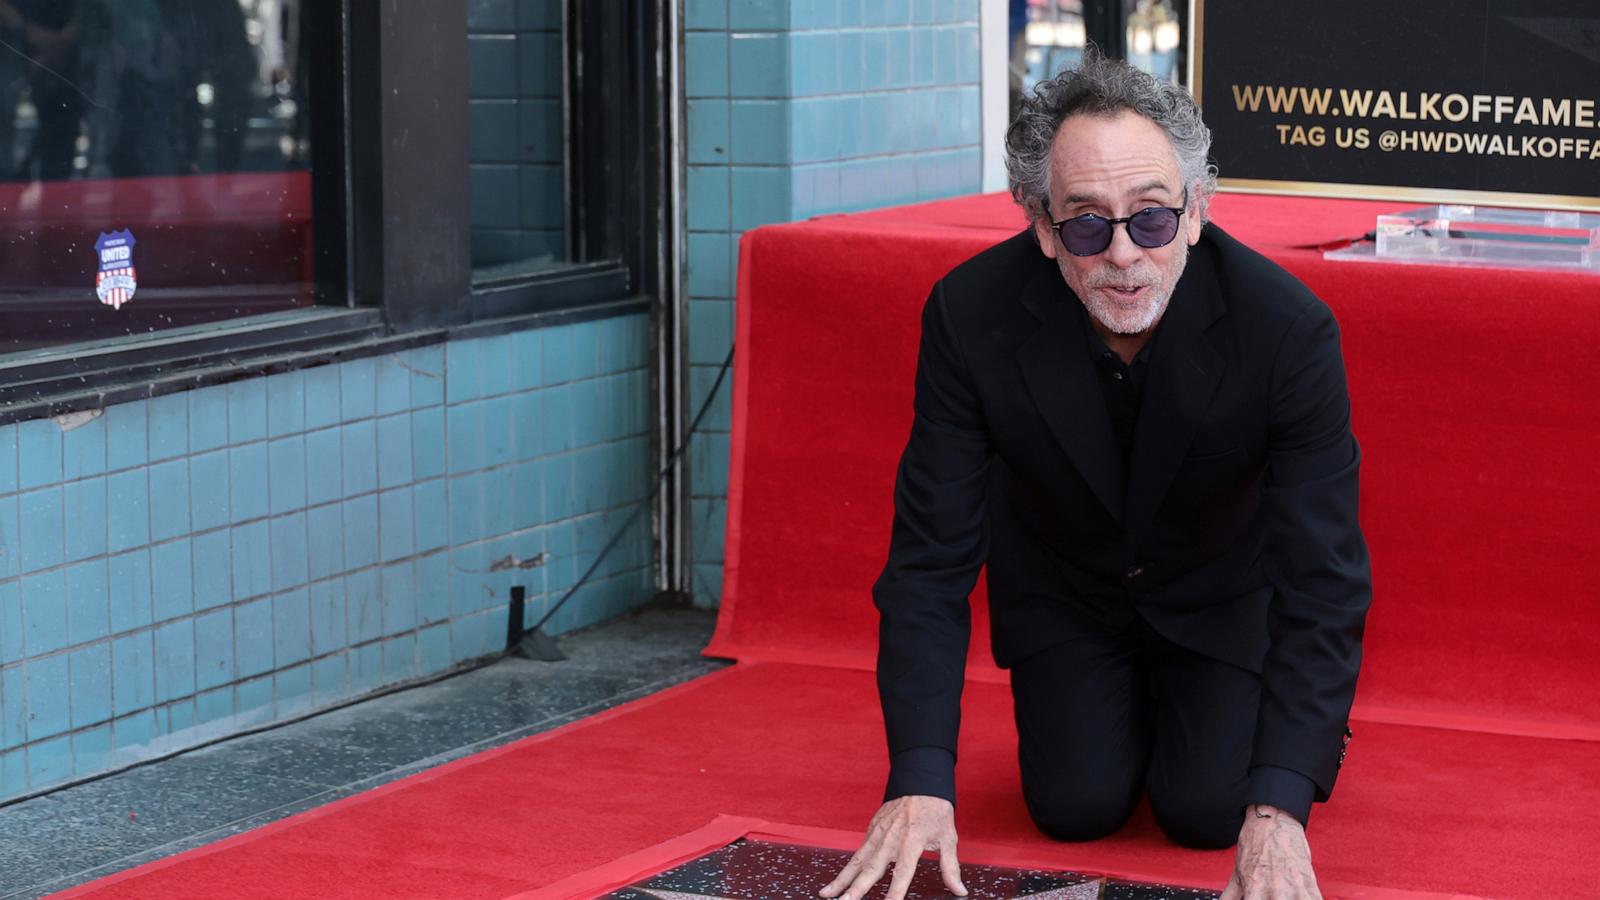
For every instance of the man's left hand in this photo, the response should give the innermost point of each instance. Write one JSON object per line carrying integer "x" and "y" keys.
{"x": 1274, "y": 861}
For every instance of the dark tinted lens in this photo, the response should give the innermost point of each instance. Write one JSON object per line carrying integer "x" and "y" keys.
{"x": 1085, "y": 235}
{"x": 1153, "y": 227}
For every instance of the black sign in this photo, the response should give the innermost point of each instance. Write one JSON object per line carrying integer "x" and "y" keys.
{"x": 1491, "y": 101}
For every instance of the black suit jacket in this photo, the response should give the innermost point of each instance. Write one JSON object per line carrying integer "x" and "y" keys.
{"x": 1232, "y": 531}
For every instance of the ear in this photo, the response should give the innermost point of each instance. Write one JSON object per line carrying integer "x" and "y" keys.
{"x": 1046, "y": 237}
{"x": 1194, "y": 219}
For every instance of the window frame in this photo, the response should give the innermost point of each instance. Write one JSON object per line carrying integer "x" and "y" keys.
{"x": 391, "y": 236}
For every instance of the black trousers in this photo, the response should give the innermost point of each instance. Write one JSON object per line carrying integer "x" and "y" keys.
{"x": 1101, "y": 719}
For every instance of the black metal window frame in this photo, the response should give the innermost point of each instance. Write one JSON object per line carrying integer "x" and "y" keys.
{"x": 392, "y": 217}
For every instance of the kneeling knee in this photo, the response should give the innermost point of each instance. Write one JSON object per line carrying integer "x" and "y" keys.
{"x": 1199, "y": 823}
{"x": 1081, "y": 815}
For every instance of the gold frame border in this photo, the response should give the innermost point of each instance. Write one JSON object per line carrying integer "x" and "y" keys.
{"x": 1341, "y": 190}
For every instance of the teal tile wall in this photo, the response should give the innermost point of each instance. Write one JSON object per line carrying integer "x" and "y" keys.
{"x": 514, "y": 85}
{"x": 180, "y": 568}
{"x": 798, "y": 108}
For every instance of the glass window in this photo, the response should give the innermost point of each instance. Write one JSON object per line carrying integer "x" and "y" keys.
{"x": 518, "y": 176}
{"x": 154, "y": 166}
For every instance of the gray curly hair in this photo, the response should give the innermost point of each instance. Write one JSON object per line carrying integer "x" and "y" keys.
{"x": 1102, "y": 86}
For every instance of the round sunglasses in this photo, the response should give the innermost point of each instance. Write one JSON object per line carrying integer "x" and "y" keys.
{"x": 1089, "y": 234}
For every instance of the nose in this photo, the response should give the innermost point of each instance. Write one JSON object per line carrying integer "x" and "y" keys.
{"x": 1122, "y": 252}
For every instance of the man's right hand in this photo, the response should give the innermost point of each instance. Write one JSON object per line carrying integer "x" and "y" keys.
{"x": 900, "y": 831}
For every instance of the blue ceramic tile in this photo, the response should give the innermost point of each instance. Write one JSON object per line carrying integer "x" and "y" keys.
{"x": 358, "y": 394}
{"x": 759, "y": 132}
{"x": 758, "y": 66}
{"x": 128, "y": 509}
{"x": 705, "y": 64}
{"x": 360, "y": 458}
{"x": 393, "y": 384}
{"x": 400, "y": 658}
{"x": 491, "y": 15}
{"x": 290, "y": 552}
{"x": 709, "y": 521}
{"x": 813, "y": 14}
{"x": 253, "y": 638}
{"x": 901, "y": 69}
{"x": 366, "y": 668}
{"x": 208, "y": 490}
{"x": 213, "y": 706}
{"x": 710, "y": 330}
{"x": 461, "y": 362}
{"x": 44, "y": 610}
{"x": 540, "y": 187}
{"x": 324, "y": 466}
{"x": 88, "y": 602}
{"x": 539, "y": 15}
{"x": 39, "y": 453}
{"x": 814, "y": 63}
{"x": 526, "y": 361}
{"x": 172, "y": 577}
{"x": 293, "y": 689}
{"x": 433, "y": 650}
{"x": 557, "y": 482}
{"x": 360, "y": 532}
{"x": 760, "y": 196}
{"x": 754, "y": 15}
{"x": 433, "y": 587}
{"x": 13, "y": 773}
{"x": 328, "y": 621}
{"x": 49, "y": 762}
{"x": 130, "y": 591}
{"x": 13, "y": 707}
{"x": 498, "y": 426}
{"x": 91, "y": 750}
{"x": 427, "y": 368}
{"x": 41, "y": 517}
{"x": 466, "y": 508}
{"x": 84, "y": 449}
{"x": 286, "y": 403}
{"x": 430, "y": 512}
{"x": 169, "y": 499}
{"x": 49, "y": 701}
{"x": 291, "y": 628}
{"x": 705, "y": 14}
{"x": 213, "y": 649}
{"x": 135, "y": 730}
{"x": 254, "y": 697}
{"x": 539, "y": 64}
{"x": 208, "y": 418}
{"x": 399, "y": 598}
{"x": 252, "y": 565}
{"x": 213, "y": 568}
{"x": 427, "y": 443}
{"x": 11, "y": 632}
{"x": 396, "y": 524}
{"x": 286, "y": 474}
{"x": 701, "y": 380}
{"x": 554, "y": 430}
{"x": 247, "y": 410}
{"x": 491, "y": 65}
{"x": 325, "y": 540}
{"x": 465, "y": 427}
{"x": 85, "y": 512}
{"x": 707, "y": 190}
{"x": 330, "y": 679}
{"x": 710, "y": 265}
{"x": 8, "y": 459}
{"x": 10, "y": 538}
{"x": 708, "y": 131}
{"x": 394, "y": 450}
{"x": 169, "y": 426}
{"x": 249, "y": 477}
{"x": 133, "y": 673}
{"x": 323, "y": 406}
{"x": 492, "y": 131}
{"x": 498, "y": 499}
{"x": 89, "y": 669}
{"x": 363, "y": 606}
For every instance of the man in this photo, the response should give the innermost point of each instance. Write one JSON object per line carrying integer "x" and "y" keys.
{"x": 1142, "y": 428}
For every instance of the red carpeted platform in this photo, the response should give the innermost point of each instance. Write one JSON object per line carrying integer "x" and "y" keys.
{"x": 1477, "y": 406}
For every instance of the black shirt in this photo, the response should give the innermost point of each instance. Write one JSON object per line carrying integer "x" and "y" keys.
{"x": 1122, "y": 384}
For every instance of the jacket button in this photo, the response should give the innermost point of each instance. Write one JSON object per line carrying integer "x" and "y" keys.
{"x": 1133, "y": 572}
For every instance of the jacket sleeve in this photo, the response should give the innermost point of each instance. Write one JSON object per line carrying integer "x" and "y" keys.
{"x": 1316, "y": 560}
{"x": 939, "y": 543}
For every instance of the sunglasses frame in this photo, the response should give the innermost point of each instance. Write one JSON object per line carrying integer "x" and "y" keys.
{"x": 1111, "y": 227}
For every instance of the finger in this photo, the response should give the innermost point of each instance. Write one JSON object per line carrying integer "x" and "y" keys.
{"x": 904, "y": 868}
{"x": 1259, "y": 889}
{"x": 873, "y": 865}
{"x": 1233, "y": 891}
{"x": 951, "y": 868}
{"x": 849, "y": 872}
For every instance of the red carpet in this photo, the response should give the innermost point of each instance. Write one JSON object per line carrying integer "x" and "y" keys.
{"x": 1478, "y": 407}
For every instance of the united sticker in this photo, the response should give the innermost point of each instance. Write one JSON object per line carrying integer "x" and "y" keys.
{"x": 117, "y": 278}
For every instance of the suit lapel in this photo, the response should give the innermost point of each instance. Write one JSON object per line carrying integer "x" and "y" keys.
{"x": 1185, "y": 369}
{"x": 1060, "y": 376}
